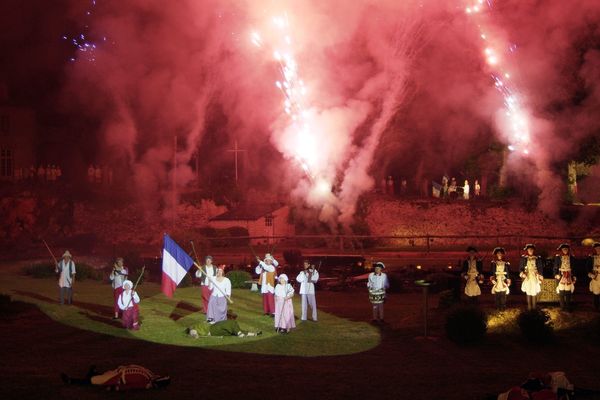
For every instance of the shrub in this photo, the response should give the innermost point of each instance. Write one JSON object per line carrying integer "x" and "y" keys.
{"x": 466, "y": 325}
{"x": 238, "y": 279}
{"x": 536, "y": 326}
{"x": 85, "y": 271}
{"x": 40, "y": 270}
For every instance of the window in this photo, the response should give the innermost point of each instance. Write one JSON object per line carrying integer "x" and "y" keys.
{"x": 6, "y": 163}
{"x": 4, "y": 125}
{"x": 269, "y": 220}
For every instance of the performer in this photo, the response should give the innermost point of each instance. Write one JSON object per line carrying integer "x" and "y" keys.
{"x": 307, "y": 279}
{"x": 206, "y": 273}
{"x": 66, "y": 270}
{"x": 117, "y": 277}
{"x": 377, "y": 285}
{"x": 124, "y": 377}
{"x": 284, "y": 308}
{"x": 266, "y": 270}
{"x": 500, "y": 278}
{"x": 472, "y": 272}
{"x": 466, "y": 190}
{"x": 563, "y": 273}
{"x": 229, "y": 327}
{"x": 217, "y": 304}
{"x": 594, "y": 274}
{"x": 531, "y": 271}
{"x": 128, "y": 303}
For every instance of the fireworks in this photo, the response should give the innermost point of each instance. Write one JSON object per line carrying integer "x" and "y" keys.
{"x": 81, "y": 41}
{"x": 494, "y": 52}
{"x": 293, "y": 91}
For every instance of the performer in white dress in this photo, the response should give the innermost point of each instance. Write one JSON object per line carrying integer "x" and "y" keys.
{"x": 563, "y": 273}
{"x": 500, "y": 278}
{"x": 531, "y": 271}
{"x": 284, "y": 308}
{"x": 308, "y": 279}
{"x": 472, "y": 272}
{"x": 217, "y": 304}
{"x": 594, "y": 275}
{"x": 377, "y": 284}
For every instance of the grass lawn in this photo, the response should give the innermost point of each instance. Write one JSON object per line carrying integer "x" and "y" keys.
{"x": 164, "y": 320}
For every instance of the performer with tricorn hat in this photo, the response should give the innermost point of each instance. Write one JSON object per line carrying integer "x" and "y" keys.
{"x": 563, "y": 273}
{"x": 531, "y": 270}
{"x": 500, "y": 278}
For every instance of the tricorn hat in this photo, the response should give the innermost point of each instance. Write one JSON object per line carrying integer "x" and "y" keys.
{"x": 471, "y": 248}
{"x": 67, "y": 254}
{"x": 529, "y": 246}
{"x": 268, "y": 256}
{"x": 562, "y": 246}
{"x": 499, "y": 250}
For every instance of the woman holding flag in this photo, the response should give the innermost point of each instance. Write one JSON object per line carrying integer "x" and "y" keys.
{"x": 217, "y": 304}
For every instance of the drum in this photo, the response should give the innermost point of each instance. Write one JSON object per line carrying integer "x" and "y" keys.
{"x": 377, "y": 296}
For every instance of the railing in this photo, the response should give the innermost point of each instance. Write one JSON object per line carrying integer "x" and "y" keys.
{"x": 360, "y": 243}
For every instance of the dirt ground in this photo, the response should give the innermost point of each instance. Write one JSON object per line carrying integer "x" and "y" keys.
{"x": 35, "y": 349}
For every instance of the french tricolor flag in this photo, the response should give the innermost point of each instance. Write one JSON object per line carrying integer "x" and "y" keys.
{"x": 175, "y": 264}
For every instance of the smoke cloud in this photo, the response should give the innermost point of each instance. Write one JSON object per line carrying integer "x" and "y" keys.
{"x": 389, "y": 85}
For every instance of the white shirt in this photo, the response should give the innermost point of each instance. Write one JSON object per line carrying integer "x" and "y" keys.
{"x": 118, "y": 277}
{"x": 125, "y": 302}
{"x": 264, "y": 267}
{"x": 307, "y": 287}
{"x": 65, "y": 270}
{"x": 224, "y": 285}
{"x": 210, "y": 271}
{"x": 377, "y": 282}
{"x": 286, "y": 290}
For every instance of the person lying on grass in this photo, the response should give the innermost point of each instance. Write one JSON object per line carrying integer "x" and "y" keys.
{"x": 228, "y": 327}
{"x": 124, "y": 377}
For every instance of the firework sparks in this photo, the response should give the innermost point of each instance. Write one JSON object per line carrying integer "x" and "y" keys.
{"x": 85, "y": 46}
{"x": 293, "y": 91}
{"x": 515, "y": 112}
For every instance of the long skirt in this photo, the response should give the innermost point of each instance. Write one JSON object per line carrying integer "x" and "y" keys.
{"x": 206, "y": 292}
{"x": 117, "y": 292}
{"x": 531, "y": 286}
{"x": 130, "y": 318}
{"x": 268, "y": 303}
{"x": 472, "y": 288}
{"x": 217, "y": 309}
{"x": 595, "y": 285}
{"x": 284, "y": 313}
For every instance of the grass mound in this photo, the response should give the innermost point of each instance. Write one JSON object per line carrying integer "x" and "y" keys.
{"x": 164, "y": 320}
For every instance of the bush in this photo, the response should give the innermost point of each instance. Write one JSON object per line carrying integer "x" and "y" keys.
{"x": 40, "y": 270}
{"x": 86, "y": 271}
{"x": 536, "y": 326}
{"x": 238, "y": 279}
{"x": 466, "y": 325}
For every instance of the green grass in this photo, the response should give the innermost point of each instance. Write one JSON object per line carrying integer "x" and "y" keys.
{"x": 164, "y": 320}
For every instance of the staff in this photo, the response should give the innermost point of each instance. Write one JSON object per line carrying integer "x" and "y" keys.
{"x": 51, "y": 254}
{"x": 196, "y": 263}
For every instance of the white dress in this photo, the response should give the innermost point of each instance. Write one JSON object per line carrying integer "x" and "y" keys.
{"x": 531, "y": 284}
{"x": 595, "y": 275}
{"x": 472, "y": 287}
{"x": 500, "y": 285}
